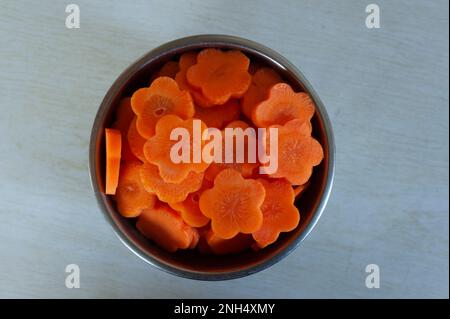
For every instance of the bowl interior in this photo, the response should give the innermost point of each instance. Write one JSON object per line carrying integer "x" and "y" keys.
{"x": 190, "y": 263}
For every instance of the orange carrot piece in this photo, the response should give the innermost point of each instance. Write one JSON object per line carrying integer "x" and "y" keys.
{"x": 124, "y": 116}
{"x": 169, "y": 69}
{"x": 279, "y": 211}
{"x": 220, "y": 115}
{"x": 221, "y": 246}
{"x": 165, "y": 227}
{"x": 283, "y": 105}
{"x": 187, "y": 60}
{"x": 158, "y": 149}
{"x": 220, "y": 75}
{"x": 262, "y": 81}
{"x": 189, "y": 208}
{"x": 246, "y": 168}
{"x": 161, "y": 98}
{"x": 113, "y": 152}
{"x": 131, "y": 196}
{"x": 169, "y": 192}
{"x": 298, "y": 152}
{"x": 233, "y": 204}
{"x": 136, "y": 141}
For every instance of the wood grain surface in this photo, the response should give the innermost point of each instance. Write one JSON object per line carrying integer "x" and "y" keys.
{"x": 386, "y": 91}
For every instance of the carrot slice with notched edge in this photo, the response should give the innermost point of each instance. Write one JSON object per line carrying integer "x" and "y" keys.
{"x": 169, "y": 192}
{"x": 246, "y": 168}
{"x": 283, "y": 105}
{"x": 221, "y": 246}
{"x": 165, "y": 226}
{"x": 170, "y": 69}
{"x": 187, "y": 60}
{"x": 262, "y": 81}
{"x": 233, "y": 204}
{"x": 161, "y": 98}
{"x": 220, "y": 75}
{"x": 113, "y": 153}
{"x": 279, "y": 211}
{"x": 136, "y": 141}
{"x": 160, "y": 149}
{"x": 220, "y": 115}
{"x": 124, "y": 116}
{"x": 189, "y": 208}
{"x": 298, "y": 152}
{"x": 131, "y": 196}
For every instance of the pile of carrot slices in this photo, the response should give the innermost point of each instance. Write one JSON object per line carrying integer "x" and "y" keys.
{"x": 216, "y": 208}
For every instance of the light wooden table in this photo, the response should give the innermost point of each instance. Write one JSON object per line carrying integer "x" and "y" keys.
{"x": 386, "y": 91}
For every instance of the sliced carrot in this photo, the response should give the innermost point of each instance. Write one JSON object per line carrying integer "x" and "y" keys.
{"x": 281, "y": 106}
{"x": 262, "y": 81}
{"x": 221, "y": 246}
{"x": 220, "y": 75}
{"x": 246, "y": 168}
{"x": 161, "y": 98}
{"x": 187, "y": 60}
{"x": 165, "y": 226}
{"x": 189, "y": 208}
{"x": 113, "y": 152}
{"x": 136, "y": 141}
{"x": 298, "y": 190}
{"x": 233, "y": 204}
{"x": 169, "y": 192}
{"x": 298, "y": 152}
{"x": 279, "y": 211}
{"x": 131, "y": 196}
{"x": 218, "y": 116}
{"x": 158, "y": 149}
{"x": 124, "y": 116}
{"x": 170, "y": 69}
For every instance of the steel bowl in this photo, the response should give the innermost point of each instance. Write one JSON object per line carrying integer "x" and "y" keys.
{"x": 191, "y": 264}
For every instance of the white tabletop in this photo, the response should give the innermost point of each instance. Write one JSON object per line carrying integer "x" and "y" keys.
{"x": 386, "y": 91}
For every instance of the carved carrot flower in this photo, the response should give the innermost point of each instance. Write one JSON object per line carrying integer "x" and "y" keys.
{"x": 283, "y": 105}
{"x": 164, "y": 151}
{"x": 220, "y": 75}
{"x": 298, "y": 152}
{"x": 161, "y": 98}
{"x": 233, "y": 204}
{"x": 279, "y": 211}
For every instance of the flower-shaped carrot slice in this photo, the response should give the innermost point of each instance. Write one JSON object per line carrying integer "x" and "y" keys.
{"x": 161, "y": 98}
{"x": 246, "y": 168}
{"x": 169, "y": 192}
{"x": 262, "y": 81}
{"x": 124, "y": 117}
{"x": 187, "y": 60}
{"x": 283, "y": 105}
{"x": 233, "y": 204}
{"x": 221, "y": 246}
{"x": 136, "y": 141}
{"x": 298, "y": 152}
{"x": 159, "y": 149}
{"x": 165, "y": 226}
{"x": 190, "y": 210}
{"x": 279, "y": 212}
{"x": 131, "y": 196}
{"x": 220, "y": 115}
{"x": 220, "y": 75}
